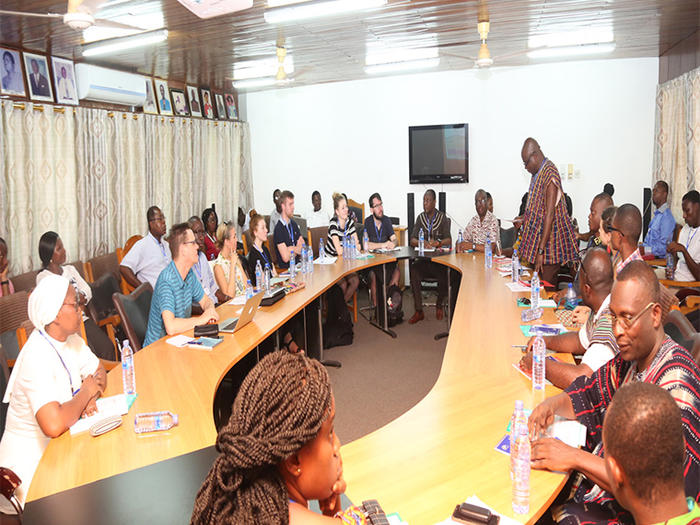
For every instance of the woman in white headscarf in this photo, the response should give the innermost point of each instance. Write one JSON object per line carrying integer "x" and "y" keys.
{"x": 56, "y": 380}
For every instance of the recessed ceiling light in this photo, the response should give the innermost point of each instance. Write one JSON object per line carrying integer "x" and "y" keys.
{"x": 128, "y": 42}
{"x": 557, "y": 52}
{"x": 266, "y": 67}
{"x": 317, "y": 8}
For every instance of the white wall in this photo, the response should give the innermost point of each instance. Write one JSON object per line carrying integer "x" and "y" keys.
{"x": 353, "y": 136}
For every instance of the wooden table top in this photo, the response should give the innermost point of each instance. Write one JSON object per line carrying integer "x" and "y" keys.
{"x": 421, "y": 464}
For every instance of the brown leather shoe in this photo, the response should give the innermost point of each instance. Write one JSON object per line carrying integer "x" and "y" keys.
{"x": 418, "y": 316}
{"x": 439, "y": 313}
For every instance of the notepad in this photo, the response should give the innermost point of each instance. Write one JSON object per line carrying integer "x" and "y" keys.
{"x": 326, "y": 260}
{"x": 542, "y": 329}
{"x": 106, "y": 407}
{"x": 517, "y": 287}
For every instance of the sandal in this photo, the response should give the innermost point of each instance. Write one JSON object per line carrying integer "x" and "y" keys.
{"x": 292, "y": 350}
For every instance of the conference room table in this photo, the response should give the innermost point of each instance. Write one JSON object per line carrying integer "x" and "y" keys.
{"x": 437, "y": 454}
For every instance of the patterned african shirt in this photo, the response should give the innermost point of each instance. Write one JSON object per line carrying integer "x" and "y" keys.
{"x": 477, "y": 230}
{"x": 562, "y": 246}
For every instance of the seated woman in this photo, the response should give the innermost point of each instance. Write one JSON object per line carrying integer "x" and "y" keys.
{"x": 259, "y": 252}
{"x": 278, "y": 451}
{"x": 53, "y": 258}
{"x": 342, "y": 225}
{"x": 230, "y": 275}
{"x": 211, "y": 223}
{"x": 56, "y": 379}
{"x": 6, "y": 287}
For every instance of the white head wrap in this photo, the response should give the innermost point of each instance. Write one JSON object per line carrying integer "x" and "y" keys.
{"x": 46, "y": 300}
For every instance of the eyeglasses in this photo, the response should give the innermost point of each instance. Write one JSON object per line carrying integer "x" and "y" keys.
{"x": 480, "y": 201}
{"x": 157, "y": 219}
{"x": 75, "y": 305}
{"x": 190, "y": 242}
{"x": 611, "y": 228}
{"x": 627, "y": 322}
{"x": 378, "y": 205}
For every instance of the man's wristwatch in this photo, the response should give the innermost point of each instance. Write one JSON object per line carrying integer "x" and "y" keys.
{"x": 540, "y": 251}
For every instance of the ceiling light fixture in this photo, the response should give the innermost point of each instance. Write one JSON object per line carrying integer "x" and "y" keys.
{"x": 557, "y": 52}
{"x": 128, "y": 42}
{"x": 398, "y": 67}
{"x": 265, "y": 67}
{"x": 317, "y": 8}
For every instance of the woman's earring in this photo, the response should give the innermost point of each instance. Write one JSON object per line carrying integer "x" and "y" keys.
{"x": 298, "y": 471}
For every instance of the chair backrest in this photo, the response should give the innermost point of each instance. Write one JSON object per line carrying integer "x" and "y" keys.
{"x": 301, "y": 222}
{"x": 682, "y": 331}
{"x": 99, "y": 266}
{"x": 121, "y": 252}
{"x": 272, "y": 248}
{"x": 358, "y": 208}
{"x": 13, "y": 310}
{"x": 133, "y": 310}
{"x": 25, "y": 281}
{"x": 315, "y": 236}
{"x": 102, "y": 290}
{"x": 247, "y": 240}
{"x": 78, "y": 265}
{"x": 677, "y": 231}
{"x": 394, "y": 221}
{"x": 267, "y": 222}
{"x": 507, "y": 238}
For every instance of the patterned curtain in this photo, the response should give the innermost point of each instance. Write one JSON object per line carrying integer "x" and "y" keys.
{"x": 677, "y": 136}
{"x": 38, "y": 181}
{"x": 90, "y": 175}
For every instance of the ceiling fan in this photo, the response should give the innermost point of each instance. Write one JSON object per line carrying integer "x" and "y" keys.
{"x": 79, "y": 15}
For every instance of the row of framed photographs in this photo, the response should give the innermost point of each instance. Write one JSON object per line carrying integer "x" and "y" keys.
{"x": 161, "y": 100}
{"x": 173, "y": 101}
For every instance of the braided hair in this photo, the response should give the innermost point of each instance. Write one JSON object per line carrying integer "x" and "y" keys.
{"x": 280, "y": 407}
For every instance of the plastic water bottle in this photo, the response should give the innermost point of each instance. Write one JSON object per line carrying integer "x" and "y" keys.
{"x": 421, "y": 242}
{"x": 488, "y": 253}
{"x": 365, "y": 241}
{"x": 520, "y": 462}
{"x": 570, "y": 297}
{"x": 530, "y": 314}
{"x": 152, "y": 421}
{"x": 292, "y": 265}
{"x": 517, "y": 421}
{"x": 539, "y": 353}
{"x": 268, "y": 276}
{"x": 460, "y": 240}
{"x": 535, "y": 291}
{"x": 128, "y": 371}
{"x": 322, "y": 249}
{"x": 259, "y": 284}
{"x": 248, "y": 290}
{"x": 303, "y": 257}
{"x": 310, "y": 260}
{"x": 670, "y": 265}
{"x": 515, "y": 267}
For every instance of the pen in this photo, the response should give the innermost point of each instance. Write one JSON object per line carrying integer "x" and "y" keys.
{"x": 194, "y": 342}
{"x": 522, "y": 347}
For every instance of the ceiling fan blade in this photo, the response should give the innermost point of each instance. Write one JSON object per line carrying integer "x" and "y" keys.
{"x": 35, "y": 15}
{"x": 463, "y": 57}
{"x": 516, "y": 53}
{"x": 84, "y": 6}
{"x": 102, "y": 22}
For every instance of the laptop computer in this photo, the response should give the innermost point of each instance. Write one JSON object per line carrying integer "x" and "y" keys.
{"x": 233, "y": 324}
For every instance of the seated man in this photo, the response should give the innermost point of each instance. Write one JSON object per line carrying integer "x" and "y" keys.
{"x": 277, "y": 210}
{"x": 436, "y": 233}
{"x": 318, "y": 217}
{"x": 598, "y": 205}
{"x": 177, "y": 287}
{"x": 644, "y": 456}
{"x": 662, "y": 224}
{"x": 687, "y": 249}
{"x": 148, "y": 257}
{"x": 380, "y": 233}
{"x": 595, "y": 340}
{"x": 646, "y": 355}
{"x": 202, "y": 269}
{"x": 482, "y": 225}
{"x": 287, "y": 236}
{"x": 625, "y": 230}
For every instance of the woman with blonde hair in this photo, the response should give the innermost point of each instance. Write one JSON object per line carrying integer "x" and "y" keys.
{"x": 342, "y": 225}
{"x": 229, "y": 272}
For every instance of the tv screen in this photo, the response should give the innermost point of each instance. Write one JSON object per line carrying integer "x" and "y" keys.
{"x": 438, "y": 154}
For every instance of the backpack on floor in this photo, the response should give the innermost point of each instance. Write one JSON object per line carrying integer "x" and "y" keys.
{"x": 394, "y": 305}
{"x": 338, "y": 328}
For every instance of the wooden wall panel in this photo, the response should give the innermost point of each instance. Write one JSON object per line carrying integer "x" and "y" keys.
{"x": 681, "y": 58}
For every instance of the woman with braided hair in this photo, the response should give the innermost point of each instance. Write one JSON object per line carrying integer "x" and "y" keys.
{"x": 278, "y": 450}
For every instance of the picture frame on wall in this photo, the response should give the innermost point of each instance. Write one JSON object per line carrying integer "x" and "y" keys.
{"x": 230, "y": 106}
{"x": 195, "y": 104}
{"x": 207, "y": 104}
{"x": 11, "y": 79}
{"x": 163, "y": 97}
{"x": 64, "y": 81}
{"x": 36, "y": 68}
{"x": 220, "y": 106}
{"x": 179, "y": 102}
{"x": 150, "y": 106}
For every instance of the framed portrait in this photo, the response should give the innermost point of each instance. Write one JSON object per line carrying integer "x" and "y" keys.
{"x": 179, "y": 102}
{"x": 220, "y": 107}
{"x": 230, "y": 106}
{"x": 64, "y": 81}
{"x": 193, "y": 98}
{"x": 37, "y": 69}
{"x": 11, "y": 79}
{"x": 163, "y": 97}
{"x": 207, "y": 104}
{"x": 150, "y": 106}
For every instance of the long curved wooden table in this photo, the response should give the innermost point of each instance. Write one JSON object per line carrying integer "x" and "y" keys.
{"x": 422, "y": 464}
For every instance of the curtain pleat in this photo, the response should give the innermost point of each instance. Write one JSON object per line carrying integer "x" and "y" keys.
{"x": 91, "y": 177}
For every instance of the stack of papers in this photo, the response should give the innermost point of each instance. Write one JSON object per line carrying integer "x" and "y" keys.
{"x": 542, "y": 329}
{"x": 517, "y": 287}
{"x": 106, "y": 407}
{"x": 326, "y": 260}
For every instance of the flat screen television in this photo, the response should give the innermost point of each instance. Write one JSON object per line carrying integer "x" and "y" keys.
{"x": 438, "y": 154}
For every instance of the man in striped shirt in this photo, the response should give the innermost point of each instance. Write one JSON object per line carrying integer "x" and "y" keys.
{"x": 647, "y": 355}
{"x": 596, "y": 340}
{"x": 625, "y": 230}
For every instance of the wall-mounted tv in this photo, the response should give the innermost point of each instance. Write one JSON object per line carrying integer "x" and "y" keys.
{"x": 438, "y": 154}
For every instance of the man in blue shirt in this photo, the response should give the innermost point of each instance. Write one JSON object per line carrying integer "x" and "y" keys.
{"x": 662, "y": 224}
{"x": 381, "y": 236}
{"x": 177, "y": 287}
{"x": 287, "y": 236}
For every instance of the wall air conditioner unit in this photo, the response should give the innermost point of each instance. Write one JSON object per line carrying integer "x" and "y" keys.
{"x": 110, "y": 86}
